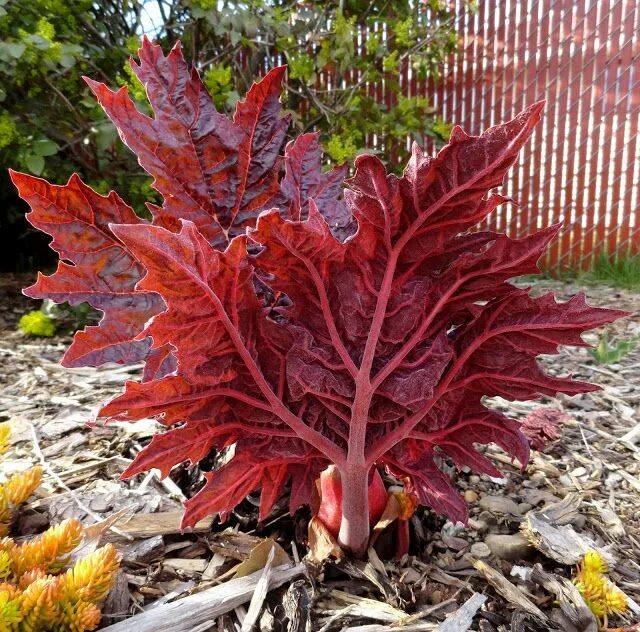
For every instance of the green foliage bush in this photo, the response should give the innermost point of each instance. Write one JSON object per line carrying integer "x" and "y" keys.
{"x": 47, "y": 45}
{"x": 49, "y": 125}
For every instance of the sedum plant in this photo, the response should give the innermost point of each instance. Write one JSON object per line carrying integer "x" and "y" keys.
{"x": 37, "y": 323}
{"x": 304, "y": 323}
{"x": 601, "y": 595}
{"x": 37, "y": 594}
{"x": 17, "y": 488}
{"x": 39, "y": 590}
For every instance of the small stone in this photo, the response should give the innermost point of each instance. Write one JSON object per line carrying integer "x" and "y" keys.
{"x": 480, "y": 549}
{"x": 521, "y": 572}
{"x": 478, "y": 525}
{"x": 579, "y": 471}
{"x": 474, "y": 479}
{"x": 500, "y": 504}
{"x": 100, "y": 504}
{"x": 612, "y": 481}
{"x": 41, "y": 374}
{"x": 451, "y": 529}
{"x": 470, "y": 496}
{"x": 509, "y": 547}
{"x": 579, "y": 521}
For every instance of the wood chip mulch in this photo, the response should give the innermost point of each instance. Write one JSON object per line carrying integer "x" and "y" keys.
{"x": 509, "y": 569}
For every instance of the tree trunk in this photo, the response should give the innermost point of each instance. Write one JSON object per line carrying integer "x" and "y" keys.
{"x": 354, "y": 528}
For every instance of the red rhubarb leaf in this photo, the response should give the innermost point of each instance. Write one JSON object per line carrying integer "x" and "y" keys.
{"x": 542, "y": 426}
{"x": 522, "y": 327}
{"x": 257, "y": 464}
{"x": 482, "y": 427}
{"x": 225, "y": 488}
{"x": 427, "y": 481}
{"x": 304, "y": 180}
{"x": 191, "y": 442}
{"x": 95, "y": 267}
{"x": 445, "y": 196}
{"x": 211, "y": 296}
{"x": 210, "y": 170}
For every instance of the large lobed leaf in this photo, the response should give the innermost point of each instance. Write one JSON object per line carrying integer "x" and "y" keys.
{"x": 94, "y": 267}
{"x": 304, "y": 330}
{"x": 214, "y": 171}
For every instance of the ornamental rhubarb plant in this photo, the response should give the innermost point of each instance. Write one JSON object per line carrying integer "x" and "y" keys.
{"x": 305, "y": 323}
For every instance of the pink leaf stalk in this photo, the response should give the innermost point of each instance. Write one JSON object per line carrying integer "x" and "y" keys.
{"x": 305, "y": 324}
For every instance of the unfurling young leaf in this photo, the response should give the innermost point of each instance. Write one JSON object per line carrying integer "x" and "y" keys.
{"x": 301, "y": 325}
{"x": 542, "y": 426}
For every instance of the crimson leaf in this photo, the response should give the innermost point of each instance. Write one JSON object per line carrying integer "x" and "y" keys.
{"x": 307, "y": 331}
{"x": 542, "y": 426}
{"x": 94, "y": 267}
{"x": 216, "y": 172}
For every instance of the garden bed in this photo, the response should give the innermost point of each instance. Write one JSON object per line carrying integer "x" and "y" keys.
{"x": 593, "y": 471}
